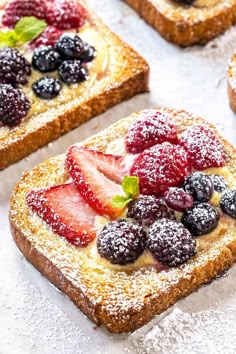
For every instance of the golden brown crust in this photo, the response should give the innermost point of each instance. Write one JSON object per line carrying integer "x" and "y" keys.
{"x": 48, "y": 126}
{"x": 186, "y": 26}
{"x": 232, "y": 82}
{"x": 110, "y": 298}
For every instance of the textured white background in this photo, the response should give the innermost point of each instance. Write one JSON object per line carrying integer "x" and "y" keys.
{"x": 34, "y": 316}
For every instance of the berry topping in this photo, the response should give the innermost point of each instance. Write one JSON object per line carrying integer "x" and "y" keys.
{"x": 14, "y": 68}
{"x": 153, "y": 127}
{"x": 49, "y": 37}
{"x": 204, "y": 149}
{"x": 63, "y": 208}
{"x": 178, "y": 199}
{"x": 185, "y": 2}
{"x": 148, "y": 208}
{"x": 46, "y": 59}
{"x": 219, "y": 183}
{"x": 97, "y": 177}
{"x": 66, "y": 14}
{"x": 121, "y": 242}
{"x": 161, "y": 167}
{"x": 47, "y": 87}
{"x": 70, "y": 46}
{"x": 88, "y": 53}
{"x": 199, "y": 185}
{"x": 14, "y": 105}
{"x": 228, "y": 202}
{"x": 200, "y": 219}
{"x": 15, "y": 9}
{"x": 72, "y": 72}
{"x": 170, "y": 243}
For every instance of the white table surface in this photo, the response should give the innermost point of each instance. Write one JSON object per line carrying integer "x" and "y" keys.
{"x": 37, "y": 319}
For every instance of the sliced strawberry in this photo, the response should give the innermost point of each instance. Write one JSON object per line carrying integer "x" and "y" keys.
{"x": 96, "y": 176}
{"x": 63, "y": 208}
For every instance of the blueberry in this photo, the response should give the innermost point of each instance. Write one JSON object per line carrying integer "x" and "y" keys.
{"x": 70, "y": 46}
{"x": 46, "y": 59}
{"x": 88, "y": 53}
{"x": 47, "y": 87}
{"x": 228, "y": 202}
{"x": 219, "y": 183}
{"x": 199, "y": 185}
{"x": 72, "y": 72}
{"x": 178, "y": 199}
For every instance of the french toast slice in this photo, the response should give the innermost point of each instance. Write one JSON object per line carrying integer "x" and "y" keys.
{"x": 186, "y": 25}
{"x": 117, "y": 73}
{"x": 120, "y": 298}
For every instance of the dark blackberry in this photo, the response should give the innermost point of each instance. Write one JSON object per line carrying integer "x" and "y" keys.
{"x": 72, "y": 72}
{"x": 170, "y": 243}
{"x": 46, "y": 59}
{"x": 200, "y": 219}
{"x": 70, "y": 46}
{"x": 199, "y": 185}
{"x": 228, "y": 202}
{"x": 185, "y": 2}
{"x": 14, "y": 68}
{"x": 14, "y": 105}
{"x": 47, "y": 87}
{"x": 219, "y": 183}
{"x": 88, "y": 53}
{"x": 121, "y": 242}
{"x": 178, "y": 199}
{"x": 148, "y": 208}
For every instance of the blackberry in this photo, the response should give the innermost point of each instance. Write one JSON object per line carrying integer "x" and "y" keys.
{"x": 14, "y": 105}
{"x": 170, "y": 243}
{"x": 121, "y": 242}
{"x": 219, "y": 183}
{"x": 46, "y": 59}
{"x": 14, "y": 68}
{"x": 228, "y": 202}
{"x": 178, "y": 199}
{"x": 70, "y": 46}
{"x": 199, "y": 185}
{"x": 88, "y": 53}
{"x": 200, "y": 219}
{"x": 47, "y": 87}
{"x": 148, "y": 208}
{"x": 185, "y": 2}
{"x": 72, "y": 72}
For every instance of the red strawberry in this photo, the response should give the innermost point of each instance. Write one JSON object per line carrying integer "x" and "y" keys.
{"x": 161, "y": 167}
{"x": 66, "y": 14}
{"x": 49, "y": 37}
{"x": 96, "y": 176}
{"x": 204, "y": 149}
{"x": 153, "y": 127}
{"x": 15, "y": 9}
{"x": 63, "y": 208}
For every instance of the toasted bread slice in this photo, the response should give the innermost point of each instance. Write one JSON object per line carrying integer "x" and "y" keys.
{"x": 117, "y": 73}
{"x": 122, "y": 299}
{"x": 232, "y": 82}
{"x": 187, "y": 25}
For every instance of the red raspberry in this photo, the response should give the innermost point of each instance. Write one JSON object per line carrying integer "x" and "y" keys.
{"x": 16, "y": 9}
{"x": 66, "y": 14}
{"x": 49, "y": 37}
{"x": 203, "y": 148}
{"x": 161, "y": 167}
{"x": 153, "y": 127}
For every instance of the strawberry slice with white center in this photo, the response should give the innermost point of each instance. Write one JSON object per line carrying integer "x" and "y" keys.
{"x": 64, "y": 209}
{"x": 98, "y": 177}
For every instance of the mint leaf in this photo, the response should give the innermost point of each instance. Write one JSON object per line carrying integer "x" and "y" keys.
{"x": 130, "y": 185}
{"x": 119, "y": 201}
{"x": 29, "y": 28}
{"x": 7, "y": 39}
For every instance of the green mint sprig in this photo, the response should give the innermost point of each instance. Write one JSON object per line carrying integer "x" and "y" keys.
{"x": 26, "y": 29}
{"x": 130, "y": 186}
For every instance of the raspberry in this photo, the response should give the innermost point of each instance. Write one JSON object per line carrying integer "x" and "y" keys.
{"x": 204, "y": 149}
{"x": 199, "y": 185}
{"x": 14, "y": 68}
{"x": 72, "y": 72}
{"x": 161, "y": 167}
{"x": 170, "y": 243}
{"x": 228, "y": 202}
{"x": 121, "y": 242}
{"x": 178, "y": 199}
{"x": 148, "y": 208}
{"x": 47, "y": 87}
{"x": 46, "y": 59}
{"x": 16, "y": 9}
{"x": 66, "y": 14}
{"x": 200, "y": 219}
{"x": 49, "y": 37}
{"x": 153, "y": 127}
{"x": 14, "y": 105}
